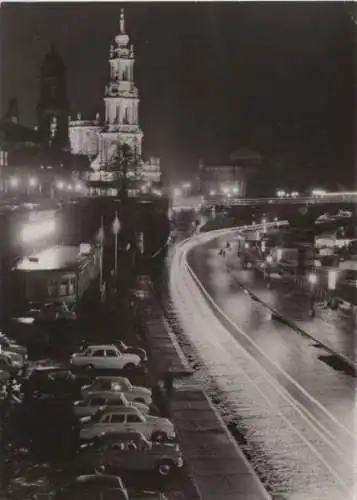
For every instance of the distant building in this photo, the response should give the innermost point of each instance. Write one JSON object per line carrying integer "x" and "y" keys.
{"x": 36, "y": 161}
{"x": 101, "y": 138}
{"x": 227, "y": 179}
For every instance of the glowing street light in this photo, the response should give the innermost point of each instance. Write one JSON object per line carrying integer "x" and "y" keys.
{"x": 312, "y": 280}
{"x": 280, "y": 193}
{"x": 177, "y": 192}
{"x": 294, "y": 194}
{"x": 70, "y": 187}
{"x": 14, "y": 181}
{"x": 235, "y": 190}
{"x": 78, "y": 186}
{"x": 225, "y": 190}
{"x": 212, "y": 192}
{"x": 60, "y": 185}
{"x": 33, "y": 181}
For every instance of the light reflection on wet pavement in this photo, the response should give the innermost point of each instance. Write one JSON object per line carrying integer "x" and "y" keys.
{"x": 293, "y": 412}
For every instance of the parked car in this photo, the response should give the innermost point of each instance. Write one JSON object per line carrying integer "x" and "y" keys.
{"x": 91, "y": 404}
{"x": 105, "y": 357}
{"x": 95, "y": 486}
{"x": 104, "y": 385}
{"x": 126, "y": 349}
{"x": 52, "y": 381}
{"x": 7, "y": 344}
{"x": 126, "y": 418}
{"x": 130, "y": 451}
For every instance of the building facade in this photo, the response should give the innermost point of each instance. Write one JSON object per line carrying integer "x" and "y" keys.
{"x": 228, "y": 179}
{"x": 100, "y": 139}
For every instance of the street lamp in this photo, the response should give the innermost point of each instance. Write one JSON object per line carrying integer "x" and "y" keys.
{"x": 235, "y": 190}
{"x": 33, "y": 181}
{"x": 14, "y": 181}
{"x": 212, "y": 192}
{"x": 279, "y": 254}
{"x": 332, "y": 280}
{"x": 312, "y": 281}
{"x": 177, "y": 192}
{"x": 60, "y": 185}
{"x": 116, "y": 229}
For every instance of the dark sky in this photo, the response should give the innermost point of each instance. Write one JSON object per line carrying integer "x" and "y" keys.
{"x": 275, "y": 77}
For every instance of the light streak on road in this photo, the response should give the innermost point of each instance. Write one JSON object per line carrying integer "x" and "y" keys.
{"x": 311, "y": 450}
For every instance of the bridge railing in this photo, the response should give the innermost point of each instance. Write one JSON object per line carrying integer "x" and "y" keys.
{"x": 299, "y": 200}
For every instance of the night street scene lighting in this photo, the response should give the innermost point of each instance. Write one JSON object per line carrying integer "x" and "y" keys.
{"x": 178, "y": 256}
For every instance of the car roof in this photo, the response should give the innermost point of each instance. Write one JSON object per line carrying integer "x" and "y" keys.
{"x": 101, "y": 346}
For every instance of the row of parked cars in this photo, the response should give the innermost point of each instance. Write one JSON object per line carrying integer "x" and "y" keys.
{"x": 119, "y": 429}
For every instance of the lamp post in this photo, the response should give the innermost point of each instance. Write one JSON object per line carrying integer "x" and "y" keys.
{"x": 116, "y": 229}
{"x": 332, "y": 279}
{"x": 312, "y": 281}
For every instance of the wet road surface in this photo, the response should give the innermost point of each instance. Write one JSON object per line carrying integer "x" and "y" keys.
{"x": 294, "y": 410}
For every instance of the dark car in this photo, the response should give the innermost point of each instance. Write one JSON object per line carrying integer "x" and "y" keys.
{"x": 94, "y": 486}
{"x": 51, "y": 382}
{"x": 125, "y": 349}
{"x": 130, "y": 451}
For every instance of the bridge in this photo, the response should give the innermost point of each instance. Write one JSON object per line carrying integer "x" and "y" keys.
{"x": 323, "y": 199}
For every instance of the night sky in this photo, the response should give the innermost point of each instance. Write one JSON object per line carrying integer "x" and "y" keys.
{"x": 213, "y": 77}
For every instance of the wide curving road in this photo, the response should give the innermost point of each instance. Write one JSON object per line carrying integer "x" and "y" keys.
{"x": 294, "y": 410}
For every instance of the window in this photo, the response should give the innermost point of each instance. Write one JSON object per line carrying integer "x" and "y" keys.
{"x": 118, "y": 419}
{"x": 63, "y": 288}
{"x": 106, "y": 419}
{"x": 99, "y": 353}
{"x": 131, "y": 446}
{"x": 71, "y": 286}
{"x": 105, "y": 385}
{"x": 52, "y": 288}
{"x": 97, "y": 402}
{"x": 111, "y": 353}
{"x": 115, "y": 402}
{"x": 133, "y": 418}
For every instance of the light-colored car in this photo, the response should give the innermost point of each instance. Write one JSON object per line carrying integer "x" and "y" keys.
{"x": 123, "y": 419}
{"x": 92, "y": 404}
{"x": 109, "y": 385}
{"x": 121, "y": 451}
{"x": 105, "y": 357}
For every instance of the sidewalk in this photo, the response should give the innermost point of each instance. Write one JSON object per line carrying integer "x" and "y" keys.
{"x": 217, "y": 468}
{"x": 331, "y": 328}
